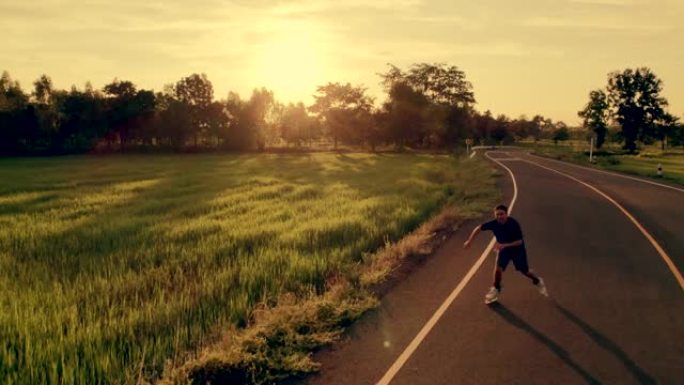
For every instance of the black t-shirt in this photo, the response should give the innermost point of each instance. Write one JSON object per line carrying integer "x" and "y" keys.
{"x": 507, "y": 232}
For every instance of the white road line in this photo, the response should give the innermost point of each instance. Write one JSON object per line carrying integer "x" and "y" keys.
{"x": 411, "y": 348}
{"x": 611, "y": 173}
{"x": 473, "y": 154}
{"x": 649, "y": 237}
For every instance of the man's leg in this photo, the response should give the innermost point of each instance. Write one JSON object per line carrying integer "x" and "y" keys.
{"x": 498, "y": 273}
{"x": 499, "y": 267}
{"x": 520, "y": 263}
{"x": 502, "y": 261}
{"x": 530, "y": 275}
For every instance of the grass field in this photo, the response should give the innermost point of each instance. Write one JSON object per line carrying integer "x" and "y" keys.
{"x": 113, "y": 265}
{"x": 643, "y": 164}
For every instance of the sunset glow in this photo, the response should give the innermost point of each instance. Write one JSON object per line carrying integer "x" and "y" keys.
{"x": 525, "y": 57}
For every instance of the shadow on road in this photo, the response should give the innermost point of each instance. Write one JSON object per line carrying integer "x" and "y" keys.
{"x": 516, "y": 321}
{"x": 602, "y": 341}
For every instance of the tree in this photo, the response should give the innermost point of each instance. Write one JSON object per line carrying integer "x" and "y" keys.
{"x": 342, "y": 109}
{"x": 42, "y": 89}
{"x": 82, "y": 120}
{"x": 595, "y": 115}
{"x": 636, "y": 103}
{"x": 218, "y": 120}
{"x": 249, "y": 122}
{"x": 175, "y": 123}
{"x": 665, "y": 128}
{"x": 11, "y": 95}
{"x": 142, "y": 110}
{"x": 500, "y": 132}
{"x": 16, "y": 116}
{"x": 560, "y": 133}
{"x": 677, "y": 135}
{"x": 197, "y": 92}
{"x": 259, "y": 115}
{"x": 535, "y": 128}
{"x": 441, "y": 84}
{"x": 407, "y": 114}
{"x": 449, "y": 96}
{"x": 120, "y": 96}
{"x": 295, "y": 125}
{"x": 483, "y": 126}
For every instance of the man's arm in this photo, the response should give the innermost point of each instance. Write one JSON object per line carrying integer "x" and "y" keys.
{"x": 501, "y": 246}
{"x": 476, "y": 231}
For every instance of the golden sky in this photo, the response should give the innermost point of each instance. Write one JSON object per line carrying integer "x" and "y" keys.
{"x": 523, "y": 57}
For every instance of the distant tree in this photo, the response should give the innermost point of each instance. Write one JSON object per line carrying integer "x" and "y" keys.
{"x": 120, "y": 89}
{"x": 501, "y": 132}
{"x": 295, "y": 124}
{"x": 519, "y": 127}
{"x": 342, "y": 109}
{"x": 236, "y": 135}
{"x": 176, "y": 124}
{"x": 546, "y": 128}
{"x": 46, "y": 113}
{"x": 483, "y": 126}
{"x": 665, "y": 127}
{"x": 197, "y": 92}
{"x": 448, "y": 93}
{"x": 259, "y": 115}
{"x": 120, "y": 111}
{"x": 407, "y": 114}
{"x": 677, "y": 135}
{"x": 11, "y": 95}
{"x": 82, "y": 120}
{"x": 142, "y": 108}
{"x": 441, "y": 84}
{"x": 42, "y": 90}
{"x": 561, "y": 133}
{"x": 249, "y": 123}
{"x": 15, "y": 114}
{"x": 636, "y": 103}
{"x": 455, "y": 122}
{"x": 218, "y": 120}
{"x": 595, "y": 115}
{"x": 535, "y": 127}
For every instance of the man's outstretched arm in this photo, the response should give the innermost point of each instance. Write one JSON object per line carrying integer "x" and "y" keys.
{"x": 476, "y": 231}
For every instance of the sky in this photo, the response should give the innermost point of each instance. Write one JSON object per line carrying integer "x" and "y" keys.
{"x": 522, "y": 57}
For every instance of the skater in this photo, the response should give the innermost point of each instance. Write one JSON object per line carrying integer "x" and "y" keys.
{"x": 510, "y": 247}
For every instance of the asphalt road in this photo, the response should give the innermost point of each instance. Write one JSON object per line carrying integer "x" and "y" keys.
{"x": 615, "y": 315}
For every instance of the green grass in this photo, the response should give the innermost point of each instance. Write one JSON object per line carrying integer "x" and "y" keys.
{"x": 112, "y": 266}
{"x": 673, "y": 166}
{"x": 644, "y": 164}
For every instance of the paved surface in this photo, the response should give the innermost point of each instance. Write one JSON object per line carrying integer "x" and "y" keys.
{"x": 615, "y": 316}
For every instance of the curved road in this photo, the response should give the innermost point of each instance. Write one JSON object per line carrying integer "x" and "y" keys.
{"x": 615, "y": 315}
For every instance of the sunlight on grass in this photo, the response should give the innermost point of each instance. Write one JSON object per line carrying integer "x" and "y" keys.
{"x": 116, "y": 263}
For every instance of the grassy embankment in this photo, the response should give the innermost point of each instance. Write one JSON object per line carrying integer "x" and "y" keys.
{"x": 645, "y": 163}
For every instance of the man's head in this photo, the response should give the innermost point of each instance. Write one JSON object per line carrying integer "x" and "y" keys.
{"x": 501, "y": 213}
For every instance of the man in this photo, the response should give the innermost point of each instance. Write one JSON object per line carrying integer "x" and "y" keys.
{"x": 510, "y": 247}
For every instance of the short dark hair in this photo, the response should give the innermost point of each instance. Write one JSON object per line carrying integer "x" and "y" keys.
{"x": 502, "y": 208}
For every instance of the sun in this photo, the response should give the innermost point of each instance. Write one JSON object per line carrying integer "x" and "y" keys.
{"x": 291, "y": 63}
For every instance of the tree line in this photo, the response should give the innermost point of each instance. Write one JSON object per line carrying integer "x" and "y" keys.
{"x": 427, "y": 106}
{"x": 632, "y": 105}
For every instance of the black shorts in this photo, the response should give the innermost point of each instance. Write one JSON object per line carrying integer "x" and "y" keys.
{"x": 519, "y": 261}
